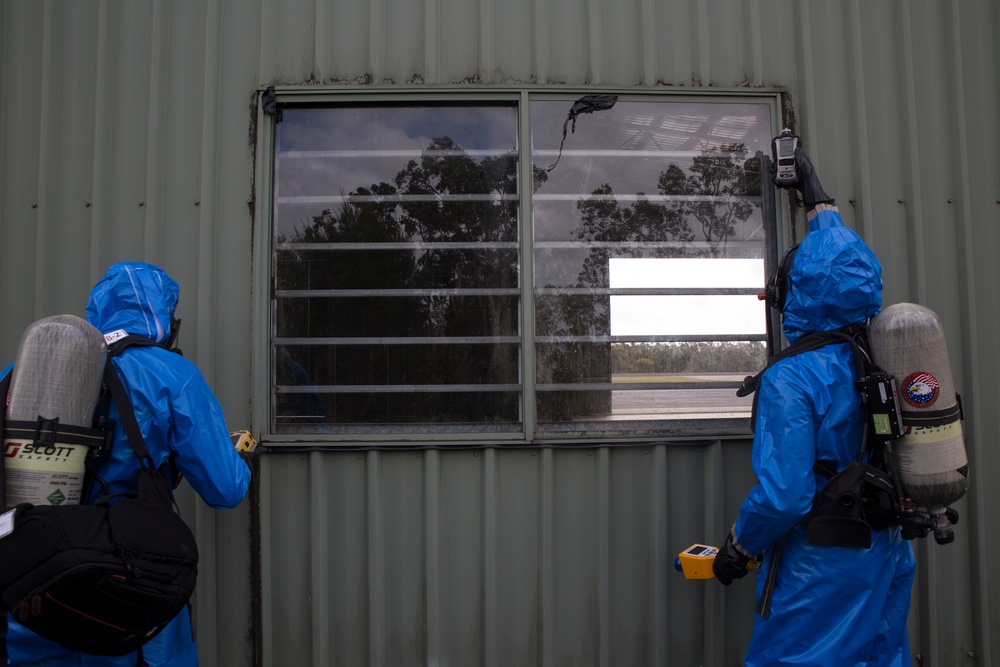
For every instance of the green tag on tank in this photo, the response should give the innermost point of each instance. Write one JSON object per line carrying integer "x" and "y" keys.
{"x": 882, "y": 424}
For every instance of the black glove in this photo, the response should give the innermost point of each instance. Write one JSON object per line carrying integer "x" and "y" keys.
{"x": 731, "y": 562}
{"x": 809, "y": 185}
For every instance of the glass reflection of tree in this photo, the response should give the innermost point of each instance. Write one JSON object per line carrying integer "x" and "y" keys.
{"x": 446, "y": 171}
{"x": 713, "y": 196}
{"x": 719, "y": 177}
{"x": 445, "y": 197}
{"x": 372, "y": 221}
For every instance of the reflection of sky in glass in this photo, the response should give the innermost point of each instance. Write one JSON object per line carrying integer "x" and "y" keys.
{"x": 375, "y": 128}
{"x": 324, "y": 154}
{"x": 641, "y": 315}
{"x": 651, "y": 126}
{"x": 627, "y": 147}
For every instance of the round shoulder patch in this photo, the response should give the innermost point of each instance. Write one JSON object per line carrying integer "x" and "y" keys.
{"x": 920, "y": 389}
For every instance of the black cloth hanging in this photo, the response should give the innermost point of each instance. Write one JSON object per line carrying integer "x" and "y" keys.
{"x": 586, "y": 104}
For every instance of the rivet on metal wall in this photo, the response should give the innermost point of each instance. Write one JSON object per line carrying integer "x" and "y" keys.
{"x": 34, "y": 204}
{"x": 900, "y": 200}
{"x": 197, "y": 202}
{"x": 950, "y": 200}
{"x": 142, "y": 203}
{"x": 851, "y": 200}
{"x": 87, "y": 204}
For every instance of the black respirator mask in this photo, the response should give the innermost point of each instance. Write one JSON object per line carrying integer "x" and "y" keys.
{"x": 776, "y": 291}
{"x": 175, "y": 329}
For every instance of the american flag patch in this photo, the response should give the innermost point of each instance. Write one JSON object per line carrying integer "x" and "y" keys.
{"x": 921, "y": 389}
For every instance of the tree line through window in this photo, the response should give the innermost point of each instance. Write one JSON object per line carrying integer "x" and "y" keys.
{"x": 399, "y": 303}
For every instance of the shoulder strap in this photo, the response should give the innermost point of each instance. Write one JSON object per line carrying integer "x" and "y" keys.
{"x": 126, "y": 413}
{"x": 151, "y": 484}
{"x": 130, "y": 340}
{"x": 855, "y": 335}
{"x": 121, "y": 341}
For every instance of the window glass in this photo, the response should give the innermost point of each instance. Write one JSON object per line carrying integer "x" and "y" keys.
{"x": 649, "y": 250}
{"x": 396, "y": 270}
{"x": 397, "y": 305}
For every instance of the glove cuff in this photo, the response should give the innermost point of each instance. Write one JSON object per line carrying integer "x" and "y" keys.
{"x": 737, "y": 546}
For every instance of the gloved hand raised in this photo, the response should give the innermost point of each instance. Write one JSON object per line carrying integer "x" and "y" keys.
{"x": 809, "y": 185}
{"x": 732, "y": 561}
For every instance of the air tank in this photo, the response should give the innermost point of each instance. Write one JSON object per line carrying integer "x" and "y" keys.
{"x": 929, "y": 459}
{"x": 57, "y": 376}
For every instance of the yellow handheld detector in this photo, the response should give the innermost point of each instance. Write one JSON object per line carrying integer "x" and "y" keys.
{"x": 696, "y": 561}
{"x": 243, "y": 441}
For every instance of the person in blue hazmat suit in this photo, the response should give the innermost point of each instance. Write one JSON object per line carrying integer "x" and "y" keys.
{"x": 183, "y": 425}
{"x": 824, "y": 606}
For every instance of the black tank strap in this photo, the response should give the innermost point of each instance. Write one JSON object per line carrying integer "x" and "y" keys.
{"x": 132, "y": 340}
{"x": 855, "y": 335}
{"x": 121, "y": 399}
{"x": 870, "y": 475}
{"x": 50, "y": 431}
{"x": 930, "y": 418}
{"x": 807, "y": 343}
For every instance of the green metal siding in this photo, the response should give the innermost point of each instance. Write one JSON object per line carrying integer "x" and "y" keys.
{"x": 131, "y": 130}
{"x": 499, "y": 557}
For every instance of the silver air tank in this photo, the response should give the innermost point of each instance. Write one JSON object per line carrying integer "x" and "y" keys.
{"x": 929, "y": 459}
{"x": 57, "y": 375}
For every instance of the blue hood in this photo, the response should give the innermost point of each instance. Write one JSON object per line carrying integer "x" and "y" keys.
{"x": 137, "y": 297}
{"x": 835, "y": 280}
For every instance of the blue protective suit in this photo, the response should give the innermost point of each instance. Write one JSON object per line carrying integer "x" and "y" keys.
{"x": 830, "y": 606}
{"x": 178, "y": 415}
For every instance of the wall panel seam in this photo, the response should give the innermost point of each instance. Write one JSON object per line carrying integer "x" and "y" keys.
{"x": 971, "y": 357}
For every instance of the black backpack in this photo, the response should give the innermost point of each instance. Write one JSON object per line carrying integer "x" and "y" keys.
{"x": 104, "y": 578}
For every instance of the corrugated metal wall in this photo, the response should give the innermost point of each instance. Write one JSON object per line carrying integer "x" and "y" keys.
{"x": 499, "y": 557}
{"x": 127, "y": 130}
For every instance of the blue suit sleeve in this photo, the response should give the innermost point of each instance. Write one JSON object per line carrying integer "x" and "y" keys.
{"x": 203, "y": 450}
{"x": 784, "y": 451}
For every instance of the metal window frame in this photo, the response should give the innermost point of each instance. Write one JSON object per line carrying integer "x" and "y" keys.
{"x": 641, "y": 431}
